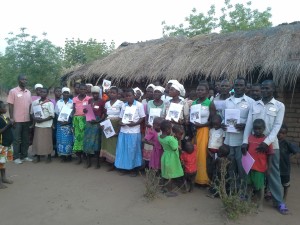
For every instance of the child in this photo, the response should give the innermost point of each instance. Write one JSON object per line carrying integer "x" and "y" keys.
{"x": 256, "y": 176}
{"x": 215, "y": 141}
{"x": 42, "y": 140}
{"x": 286, "y": 149}
{"x": 6, "y": 139}
{"x": 189, "y": 162}
{"x": 170, "y": 162}
{"x": 151, "y": 138}
{"x": 79, "y": 122}
{"x": 129, "y": 152}
{"x": 92, "y": 134}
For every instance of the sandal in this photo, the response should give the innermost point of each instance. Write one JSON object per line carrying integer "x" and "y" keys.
{"x": 283, "y": 209}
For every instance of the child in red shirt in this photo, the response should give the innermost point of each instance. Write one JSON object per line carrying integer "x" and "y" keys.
{"x": 256, "y": 176}
{"x": 189, "y": 162}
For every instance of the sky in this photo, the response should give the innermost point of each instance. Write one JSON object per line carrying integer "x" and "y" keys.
{"x": 117, "y": 20}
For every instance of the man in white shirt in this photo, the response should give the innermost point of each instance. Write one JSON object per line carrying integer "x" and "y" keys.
{"x": 234, "y": 140}
{"x": 272, "y": 112}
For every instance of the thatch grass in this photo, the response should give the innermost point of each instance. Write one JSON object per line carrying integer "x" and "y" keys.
{"x": 274, "y": 51}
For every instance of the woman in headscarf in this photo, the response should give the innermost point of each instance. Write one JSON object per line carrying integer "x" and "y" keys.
{"x": 64, "y": 133}
{"x": 138, "y": 94}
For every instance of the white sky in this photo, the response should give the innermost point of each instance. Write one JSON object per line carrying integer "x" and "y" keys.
{"x": 118, "y": 20}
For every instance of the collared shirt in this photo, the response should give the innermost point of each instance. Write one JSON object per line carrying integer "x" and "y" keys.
{"x": 80, "y": 104}
{"x": 243, "y": 104}
{"x": 61, "y": 103}
{"x": 139, "y": 113}
{"x": 272, "y": 113}
{"x": 113, "y": 111}
{"x": 48, "y": 110}
{"x": 21, "y": 101}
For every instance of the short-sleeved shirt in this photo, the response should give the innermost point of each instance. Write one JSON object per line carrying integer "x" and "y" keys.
{"x": 216, "y": 138}
{"x": 139, "y": 113}
{"x": 98, "y": 107}
{"x": 243, "y": 104}
{"x": 272, "y": 113}
{"x": 21, "y": 101}
{"x": 61, "y": 103}
{"x": 80, "y": 104}
{"x": 286, "y": 149}
{"x": 261, "y": 159}
{"x": 48, "y": 110}
{"x": 6, "y": 138}
{"x": 189, "y": 161}
{"x": 113, "y": 111}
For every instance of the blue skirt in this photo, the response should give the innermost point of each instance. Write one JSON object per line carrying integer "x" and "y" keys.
{"x": 129, "y": 151}
{"x": 64, "y": 139}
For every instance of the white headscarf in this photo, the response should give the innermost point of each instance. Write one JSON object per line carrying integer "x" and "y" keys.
{"x": 179, "y": 87}
{"x": 159, "y": 88}
{"x": 137, "y": 89}
{"x": 172, "y": 81}
{"x": 89, "y": 85}
{"x": 38, "y": 86}
{"x": 95, "y": 89}
{"x": 150, "y": 85}
{"x": 65, "y": 89}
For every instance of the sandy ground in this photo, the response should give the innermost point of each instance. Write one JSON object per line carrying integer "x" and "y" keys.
{"x": 65, "y": 193}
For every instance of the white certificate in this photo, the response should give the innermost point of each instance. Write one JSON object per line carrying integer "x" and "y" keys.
{"x": 174, "y": 112}
{"x": 154, "y": 112}
{"x": 108, "y": 128}
{"x": 195, "y": 114}
{"x": 232, "y": 117}
{"x": 128, "y": 114}
{"x": 38, "y": 111}
{"x": 65, "y": 114}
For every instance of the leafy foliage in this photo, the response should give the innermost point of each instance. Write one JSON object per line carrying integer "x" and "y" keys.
{"x": 81, "y": 52}
{"x": 233, "y": 18}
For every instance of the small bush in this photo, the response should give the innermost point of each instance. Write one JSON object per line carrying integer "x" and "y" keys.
{"x": 152, "y": 184}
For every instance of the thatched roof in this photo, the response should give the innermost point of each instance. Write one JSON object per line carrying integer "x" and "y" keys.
{"x": 271, "y": 51}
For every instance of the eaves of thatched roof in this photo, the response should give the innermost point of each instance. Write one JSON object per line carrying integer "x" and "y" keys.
{"x": 271, "y": 51}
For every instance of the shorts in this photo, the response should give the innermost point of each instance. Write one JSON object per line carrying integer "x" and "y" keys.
{"x": 256, "y": 179}
{"x": 285, "y": 180}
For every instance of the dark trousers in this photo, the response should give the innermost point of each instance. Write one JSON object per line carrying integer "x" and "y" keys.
{"x": 21, "y": 139}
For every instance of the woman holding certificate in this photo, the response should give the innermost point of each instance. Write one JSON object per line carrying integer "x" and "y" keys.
{"x": 207, "y": 110}
{"x": 113, "y": 108}
{"x": 129, "y": 152}
{"x": 64, "y": 133}
{"x": 177, "y": 109}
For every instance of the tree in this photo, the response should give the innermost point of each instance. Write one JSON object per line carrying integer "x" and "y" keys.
{"x": 81, "y": 52}
{"x": 233, "y": 18}
{"x": 39, "y": 59}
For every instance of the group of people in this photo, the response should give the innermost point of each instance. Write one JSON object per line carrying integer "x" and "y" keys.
{"x": 148, "y": 135}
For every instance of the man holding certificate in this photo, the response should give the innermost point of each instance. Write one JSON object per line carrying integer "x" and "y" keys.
{"x": 236, "y": 112}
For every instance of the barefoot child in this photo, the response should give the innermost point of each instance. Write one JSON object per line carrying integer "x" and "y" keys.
{"x": 256, "y": 176}
{"x": 170, "y": 163}
{"x": 129, "y": 152}
{"x": 151, "y": 138}
{"x": 215, "y": 141}
{"x": 188, "y": 159}
{"x": 42, "y": 140}
{"x": 6, "y": 139}
{"x": 286, "y": 149}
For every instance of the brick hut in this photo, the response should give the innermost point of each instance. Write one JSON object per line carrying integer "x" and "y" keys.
{"x": 272, "y": 53}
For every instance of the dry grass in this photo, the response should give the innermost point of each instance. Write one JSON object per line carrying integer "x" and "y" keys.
{"x": 274, "y": 50}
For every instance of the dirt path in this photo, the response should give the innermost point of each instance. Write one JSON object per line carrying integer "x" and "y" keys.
{"x": 58, "y": 193}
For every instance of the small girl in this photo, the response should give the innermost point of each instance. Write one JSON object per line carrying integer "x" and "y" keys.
{"x": 92, "y": 134}
{"x": 170, "y": 162}
{"x": 151, "y": 138}
{"x": 42, "y": 140}
{"x": 79, "y": 122}
{"x": 256, "y": 176}
{"x": 129, "y": 152}
{"x": 215, "y": 141}
{"x": 189, "y": 161}
{"x": 6, "y": 139}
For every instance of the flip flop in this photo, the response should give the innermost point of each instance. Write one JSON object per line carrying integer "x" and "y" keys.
{"x": 283, "y": 209}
